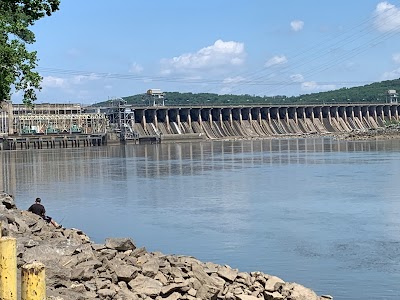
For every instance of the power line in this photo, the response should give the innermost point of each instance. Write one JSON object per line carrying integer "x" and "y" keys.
{"x": 257, "y": 78}
{"x": 171, "y": 79}
{"x": 346, "y": 40}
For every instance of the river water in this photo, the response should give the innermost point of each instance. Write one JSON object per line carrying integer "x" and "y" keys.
{"x": 320, "y": 212}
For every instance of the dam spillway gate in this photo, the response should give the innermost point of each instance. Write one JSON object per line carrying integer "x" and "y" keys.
{"x": 218, "y": 122}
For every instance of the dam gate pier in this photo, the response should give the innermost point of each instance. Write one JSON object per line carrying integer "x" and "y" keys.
{"x": 196, "y": 123}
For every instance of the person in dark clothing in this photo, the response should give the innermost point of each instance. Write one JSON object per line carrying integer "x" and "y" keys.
{"x": 38, "y": 209}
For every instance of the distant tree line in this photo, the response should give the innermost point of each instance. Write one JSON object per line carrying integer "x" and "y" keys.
{"x": 371, "y": 93}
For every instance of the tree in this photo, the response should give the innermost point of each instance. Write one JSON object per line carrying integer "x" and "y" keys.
{"x": 17, "y": 64}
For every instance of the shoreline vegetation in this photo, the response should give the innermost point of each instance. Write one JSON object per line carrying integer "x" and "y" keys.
{"x": 376, "y": 92}
{"x": 78, "y": 269}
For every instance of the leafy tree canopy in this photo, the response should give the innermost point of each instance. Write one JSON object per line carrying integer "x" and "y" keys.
{"x": 371, "y": 93}
{"x": 17, "y": 64}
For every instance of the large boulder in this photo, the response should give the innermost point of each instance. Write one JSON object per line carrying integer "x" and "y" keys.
{"x": 120, "y": 244}
{"x": 7, "y": 200}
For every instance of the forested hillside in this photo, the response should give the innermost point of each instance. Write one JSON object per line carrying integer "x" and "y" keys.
{"x": 371, "y": 93}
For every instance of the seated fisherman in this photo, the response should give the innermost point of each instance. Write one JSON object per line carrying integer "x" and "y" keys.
{"x": 38, "y": 209}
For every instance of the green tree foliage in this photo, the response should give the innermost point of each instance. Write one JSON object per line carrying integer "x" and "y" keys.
{"x": 17, "y": 64}
{"x": 371, "y": 93}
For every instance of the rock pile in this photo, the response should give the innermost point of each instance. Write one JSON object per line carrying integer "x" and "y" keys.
{"x": 77, "y": 268}
{"x": 382, "y": 133}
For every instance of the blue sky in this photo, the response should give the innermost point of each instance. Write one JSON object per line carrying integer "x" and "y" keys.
{"x": 93, "y": 50}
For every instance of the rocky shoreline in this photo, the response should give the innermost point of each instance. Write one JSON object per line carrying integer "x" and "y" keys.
{"x": 78, "y": 269}
{"x": 381, "y": 133}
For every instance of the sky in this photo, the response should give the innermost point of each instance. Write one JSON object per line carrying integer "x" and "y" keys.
{"x": 93, "y": 50}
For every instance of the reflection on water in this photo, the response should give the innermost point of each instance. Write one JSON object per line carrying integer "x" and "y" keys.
{"x": 170, "y": 159}
{"x": 320, "y": 212}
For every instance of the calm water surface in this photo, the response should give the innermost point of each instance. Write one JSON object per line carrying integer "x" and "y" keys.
{"x": 322, "y": 213}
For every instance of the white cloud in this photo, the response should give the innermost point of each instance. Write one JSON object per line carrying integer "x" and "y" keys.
{"x": 396, "y": 58}
{"x": 81, "y": 79}
{"x": 53, "y": 82}
{"x": 66, "y": 83}
{"x": 135, "y": 68}
{"x": 276, "y": 60}
{"x": 220, "y": 54}
{"x": 312, "y": 86}
{"x": 297, "y": 25}
{"x": 387, "y": 17}
{"x": 395, "y": 74}
{"x": 233, "y": 80}
{"x": 297, "y": 78}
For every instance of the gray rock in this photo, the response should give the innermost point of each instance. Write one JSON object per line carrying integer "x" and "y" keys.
{"x": 173, "y": 287}
{"x": 218, "y": 281}
{"x": 92, "y": 264}
{"x": 44, "y": 253}
{"x": 295, "y": 291}
{"x": 102, "y": 284}
{"x": 176, "y": 272}
{"x": 144, "y": 285}
{"x": 120, "y": 244}
{"x": 246, "y": 297}
{"x": 124, "y": 294}
{"x": 81, "y": 274}
{"x": 161, "y": 278}
{"x": 150, "y": 268}
{"x": 173, "y": 296}
{"x": 7, "y": 201}
{"x": 98, "y": 247}
{"x": 201, "y": 275}
{"x": 273, "y": 283}
{"x": 243, "y": 278}
{"x": 31, "y": 243}
{"x": 108, "y": 253}
{"x": 192, "y": 292}
{"x": 138, "y": 252}
{"x": 78, "y": 287}
{"x": 273, "y": 296}
{"x": 125, "y": 272}
{"x": 227, "y": 273}
{"x": 207, "y": 292}
{"x": 106, "y": 293}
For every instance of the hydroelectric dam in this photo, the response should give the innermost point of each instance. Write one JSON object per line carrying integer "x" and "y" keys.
{"x": 73, "y": 125}
{"x": 167, "y": 123}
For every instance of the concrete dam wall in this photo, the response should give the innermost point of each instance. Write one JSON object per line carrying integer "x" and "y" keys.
{"x": 258, "y": 121}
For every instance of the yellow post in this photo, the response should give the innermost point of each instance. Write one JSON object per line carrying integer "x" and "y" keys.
{"x": 8, "y": 268}
{"x": 33, "y": 286}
